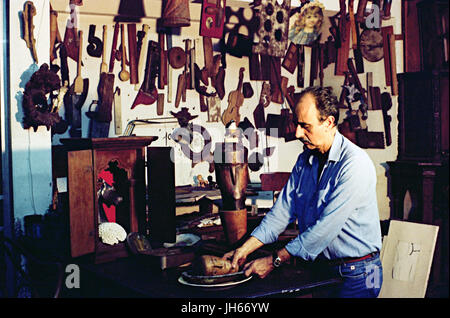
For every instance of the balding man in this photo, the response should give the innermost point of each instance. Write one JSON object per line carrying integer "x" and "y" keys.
{"x": 332, "y": 194}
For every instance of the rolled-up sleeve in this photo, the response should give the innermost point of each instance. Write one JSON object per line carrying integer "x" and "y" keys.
{"x": 281, "y": 214}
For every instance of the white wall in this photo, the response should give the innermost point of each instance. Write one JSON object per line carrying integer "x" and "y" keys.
{"x": 31, "y": 151}
{"x": 96, "y": 12}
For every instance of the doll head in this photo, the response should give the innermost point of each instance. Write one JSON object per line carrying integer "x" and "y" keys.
{"x": 310, "y": 17}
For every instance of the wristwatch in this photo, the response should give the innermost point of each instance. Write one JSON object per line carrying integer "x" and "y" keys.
{"x": 276, "y": 259}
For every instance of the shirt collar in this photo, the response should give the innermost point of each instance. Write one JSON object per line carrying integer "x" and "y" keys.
{"x": 334, "y": 150}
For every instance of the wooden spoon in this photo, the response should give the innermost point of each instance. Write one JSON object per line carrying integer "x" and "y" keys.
{"x": 78, "y": 84}
{"x": 124, "y": 75}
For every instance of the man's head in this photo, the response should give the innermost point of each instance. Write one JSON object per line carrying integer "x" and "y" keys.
{"x": 316, "y": 115}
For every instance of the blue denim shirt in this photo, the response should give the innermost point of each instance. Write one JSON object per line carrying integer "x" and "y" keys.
{"x": 337, "y": 212}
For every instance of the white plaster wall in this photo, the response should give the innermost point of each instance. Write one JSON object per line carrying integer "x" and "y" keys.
{"x": 31, "y": 151}
{"x": 102, "y": 12}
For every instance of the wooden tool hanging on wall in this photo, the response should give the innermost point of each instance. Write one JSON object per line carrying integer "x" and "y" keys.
{"x": 142, "y": 54}
{"x": 95, "y": 47}
{"x": 148, "y": 93}
{"x": 361, "y": 10}
{"x": 55, "y": 37}
{"x": 103, "y": 66}
{"x": 117, "y": 112}
{"x": 29, "y": 11}
{"x": 162, "y": 76}
{"x": 124, "y": 75}
{"x": 290, "y": 60}
{"x": 132, "y": 49}
{"x": 344, "y": 49}
{"x": 386, "y": 105}
{"x": 114, "y": 51}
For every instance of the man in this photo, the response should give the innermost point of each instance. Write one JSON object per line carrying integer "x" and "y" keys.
{"x": 332, "y": 194}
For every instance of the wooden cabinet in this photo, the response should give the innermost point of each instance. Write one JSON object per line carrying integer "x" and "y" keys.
{"x": 423, "y": 116}
{"x": 124, "y": 158}
{"x": 433, "y": 28}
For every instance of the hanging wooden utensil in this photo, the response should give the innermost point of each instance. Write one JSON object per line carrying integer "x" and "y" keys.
{"x": 54, "y": 33}
{"x": 28, "y": 13}
{"x": 124, "y": 75}
{"x": 160, "y": 105}
{"x": 103, "y": 66}
{"x": 142, "y": 55}
{"x": 78, "y": 83}
{"x": 148, "y": 93}
{"x": 393, "y": 71}
{"x": 177, "y": 57}
{"x": 162, "y": 76}
{"x": 180, "y": 89}
{"x": 385, "y": 31}
{"x": 132, "y": 48}
{"x": 114, "y": 48}
{"x": 117, "y": 112}
{"x": 95, "y": 46}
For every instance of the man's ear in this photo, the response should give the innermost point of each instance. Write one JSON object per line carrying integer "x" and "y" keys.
{"x": 330, "y": 122}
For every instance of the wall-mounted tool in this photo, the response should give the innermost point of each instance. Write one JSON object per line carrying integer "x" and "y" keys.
{"x": 124, "y": 75}
{"x": 117, "y": 112}
{"x": 29, "y": 11}
{"x": 55, "y": 37}
{"x": 114, "y": 51}
{"x": 78, "y": 83}
{"x": 344, "y": 49}
{"x": 212, "y": 18}
{"x": 176, "y": 57}
{"x": 290, "y": 60}
{"x": 132, "y": 50}
{"x": 72, "y": 104}
{"x": 142, "y": 53}
{"x": 187, "y": 67}
{"x": 71, "y": 35}
{"x": 103, "y": 65}
{"x": 364, "y": 103}
{"x": 361, "y": 10}
{"x": 162, "y": 76}
{"x": 102, "y": 116}
{"x": 386, "y": 105}
{"x": 95, "y": 47}
{"x": 148, "y": 93}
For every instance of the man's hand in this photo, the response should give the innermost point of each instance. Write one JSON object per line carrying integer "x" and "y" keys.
{"x": 261, "y": 267}
{"x": 237, "y": 257}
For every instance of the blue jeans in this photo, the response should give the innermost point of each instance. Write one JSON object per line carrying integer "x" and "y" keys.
{"x": 361, "y": 279}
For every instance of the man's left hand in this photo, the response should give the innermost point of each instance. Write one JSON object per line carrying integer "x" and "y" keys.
{"x": 261, "y": 267}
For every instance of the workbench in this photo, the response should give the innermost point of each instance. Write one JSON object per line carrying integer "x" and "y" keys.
{"x": 128, "y": 277}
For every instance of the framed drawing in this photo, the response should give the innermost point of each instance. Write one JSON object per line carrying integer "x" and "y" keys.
{"x": 407, "y": 257}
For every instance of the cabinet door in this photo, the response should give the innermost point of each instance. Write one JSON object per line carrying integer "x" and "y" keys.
{"x": 161, "y": 180}
{"x": 81, "y": 202}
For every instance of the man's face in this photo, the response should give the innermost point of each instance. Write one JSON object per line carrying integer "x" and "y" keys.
{"x": 310, "y": 130}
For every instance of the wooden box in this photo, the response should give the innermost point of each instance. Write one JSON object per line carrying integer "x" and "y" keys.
{"x": 86, "y": 159}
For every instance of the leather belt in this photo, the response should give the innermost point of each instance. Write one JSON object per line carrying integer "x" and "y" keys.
{"x": 346, "y": 260}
